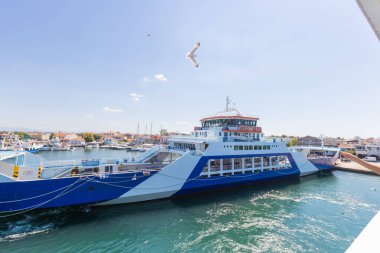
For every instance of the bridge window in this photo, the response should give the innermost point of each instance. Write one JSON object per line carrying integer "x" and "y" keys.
{"x": 273, "y": 160}
{"x": 248, "y": 162}
{"x": 257, "y": 162}
{"x": 237, "y": 163}
{"x": 227, "y": 164}
{"x": 265, "y": 161}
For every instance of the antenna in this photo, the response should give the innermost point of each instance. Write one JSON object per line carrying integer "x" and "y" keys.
{"x": 322, "y": 141}
{"x": 228, "y": 101}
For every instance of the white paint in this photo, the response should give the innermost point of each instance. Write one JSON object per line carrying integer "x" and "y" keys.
{"x": 163, "y": 184}
{"x": 304, "y": 165}
{"x": 27, "y": 173}
{"x": 367, "y": 241}
{"x": 5, "y": 179}
{"x": 6, "y": 169}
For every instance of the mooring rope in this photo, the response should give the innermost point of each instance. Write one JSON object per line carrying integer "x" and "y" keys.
{"x": 28, "y": 209}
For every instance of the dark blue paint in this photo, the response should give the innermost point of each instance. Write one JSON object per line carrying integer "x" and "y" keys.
{"x": 83, "y": 191}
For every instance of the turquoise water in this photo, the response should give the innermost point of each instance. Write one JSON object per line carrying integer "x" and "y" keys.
{"x": 320, "y": 213}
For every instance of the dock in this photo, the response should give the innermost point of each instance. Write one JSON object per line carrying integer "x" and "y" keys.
{"x": 353, "y": 167}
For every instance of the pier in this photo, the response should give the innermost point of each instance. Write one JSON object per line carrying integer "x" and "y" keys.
{"x": 374, "y": 168}
{"x": 353, "y": 167}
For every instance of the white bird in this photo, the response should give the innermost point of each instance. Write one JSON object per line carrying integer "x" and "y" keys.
{"x": 191, "y": 56}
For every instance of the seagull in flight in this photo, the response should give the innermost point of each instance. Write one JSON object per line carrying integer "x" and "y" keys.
{"x": 191, "y": 56}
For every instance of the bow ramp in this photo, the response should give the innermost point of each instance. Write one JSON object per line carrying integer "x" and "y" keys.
{"x": 305, "y": 166}
{"x": 163, "y": 184}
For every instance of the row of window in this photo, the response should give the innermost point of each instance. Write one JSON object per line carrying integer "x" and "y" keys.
{"x": 200, "y": 134}
{"x": 243, "y": 134}
{"x": 228, "y": 122}
{"x": 246, "y": 162}
{"x": 184, "y": 146}
{"x": 251, "y": 171}
{"x": 235, "y": 165}
{"x": 253, "y": 147}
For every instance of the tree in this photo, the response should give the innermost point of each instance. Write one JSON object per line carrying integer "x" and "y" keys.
{"x": 292, "y": 142}
{"x": 51, "y": 136}
{"x": 97, "y": 137}
{"x": 22, "y": 135}
{"x": 88, "y": 137}
{"x": 164, "y": 132}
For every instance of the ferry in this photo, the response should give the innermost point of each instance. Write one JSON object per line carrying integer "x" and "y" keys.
{"x": 228, "y": 149}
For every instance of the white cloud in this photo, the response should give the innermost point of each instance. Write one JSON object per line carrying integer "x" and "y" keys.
{"x": 89, "y": 116}
{"x": 110, "y": 109}
{"x": 135, "y": 96}
{"x": 160, "y": 77}
{"x": 146, "y": 79}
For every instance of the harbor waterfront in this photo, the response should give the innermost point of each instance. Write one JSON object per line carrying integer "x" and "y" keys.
{"x": 228, "y": 149}
{"x": 318, "y": 213}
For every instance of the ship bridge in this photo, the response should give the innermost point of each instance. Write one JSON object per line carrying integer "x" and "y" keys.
{"x": 228, "y": 126}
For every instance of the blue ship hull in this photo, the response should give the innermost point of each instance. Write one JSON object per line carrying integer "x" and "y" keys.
{"x": 92, "y": 190}
{"x": 64, "y": 191}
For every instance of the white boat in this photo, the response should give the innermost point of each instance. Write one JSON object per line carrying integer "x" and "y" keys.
{"x": 32, "y": 147}
{"x": 92, "y": 145}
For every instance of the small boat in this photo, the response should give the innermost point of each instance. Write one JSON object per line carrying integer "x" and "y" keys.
{"x": 64, "y": 148}
{"x": 45, "y": 148}
{"x": 32, "y": 147}
{"x": 92, "y": 145}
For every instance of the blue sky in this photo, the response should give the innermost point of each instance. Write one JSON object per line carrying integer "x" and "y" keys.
{"x": 303, "y": 67}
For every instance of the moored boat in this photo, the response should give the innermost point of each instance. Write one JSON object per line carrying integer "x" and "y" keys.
{"x": 92, "y": 145}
